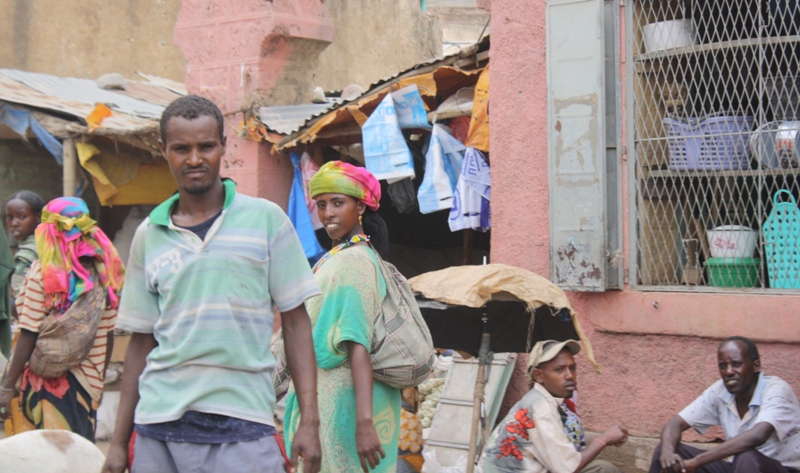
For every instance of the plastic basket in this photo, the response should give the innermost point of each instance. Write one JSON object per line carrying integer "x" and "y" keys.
{"x": 733, "y": 272}
{"x": 711, "y": 143}
{"x": 781, "y": 232}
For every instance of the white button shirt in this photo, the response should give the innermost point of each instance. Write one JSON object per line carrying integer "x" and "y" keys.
{"x": 773, "y": 402}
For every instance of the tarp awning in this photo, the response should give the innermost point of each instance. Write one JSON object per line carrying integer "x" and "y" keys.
{"x": 475, "y": 286}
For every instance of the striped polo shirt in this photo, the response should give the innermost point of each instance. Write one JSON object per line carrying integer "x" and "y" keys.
{"x": 32, "y": 309}
{"x": 209, "y": 305}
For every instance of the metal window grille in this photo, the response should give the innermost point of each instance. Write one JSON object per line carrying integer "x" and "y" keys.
{"x": 715, "y": 87}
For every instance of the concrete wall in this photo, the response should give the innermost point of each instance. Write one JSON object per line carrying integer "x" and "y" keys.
{"x": 24, "y": 169}
{"x": 647, "y": 378}
{"x": 241, "y": 50}
{"x": 88, "y": 38}
{"x": 375, "y": 39}
{"x": 275, "y": 52}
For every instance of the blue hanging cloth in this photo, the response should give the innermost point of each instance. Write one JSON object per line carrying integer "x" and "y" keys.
{"x": 20, "y": 120}
{"x": 300, "y": 217}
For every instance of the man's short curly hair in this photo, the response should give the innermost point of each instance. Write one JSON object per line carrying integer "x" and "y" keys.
{"x": 751, "y": 351}
{"x": 191, "y": 107}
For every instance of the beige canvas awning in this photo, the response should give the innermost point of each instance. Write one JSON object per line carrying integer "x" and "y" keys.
{"x": 474, "y": 286}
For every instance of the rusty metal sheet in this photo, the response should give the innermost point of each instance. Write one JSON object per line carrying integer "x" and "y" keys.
{"x": 168, "y": 84}
{"x": 287, "y": 119}
{"x": 16, "y": 92}
{"x": 84, "y": 91}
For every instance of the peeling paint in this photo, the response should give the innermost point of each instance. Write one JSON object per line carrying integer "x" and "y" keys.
{"x": 573, "y": 266}
{"x": 575, "y": 145}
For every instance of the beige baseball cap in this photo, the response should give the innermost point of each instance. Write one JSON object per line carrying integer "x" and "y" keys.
{"x": 548, "y": 349}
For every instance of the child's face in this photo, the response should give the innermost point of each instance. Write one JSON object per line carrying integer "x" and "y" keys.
{"x": 20, "y": 219}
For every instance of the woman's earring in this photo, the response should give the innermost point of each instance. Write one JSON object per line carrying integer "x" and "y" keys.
{"x": 360, "y": 221}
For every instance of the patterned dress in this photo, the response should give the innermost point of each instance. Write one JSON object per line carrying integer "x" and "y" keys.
{"x": 70, "y": 401}
{"x": 352, "y": 291}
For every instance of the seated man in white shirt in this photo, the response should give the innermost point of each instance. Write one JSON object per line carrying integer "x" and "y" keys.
{"x": 759, "y": 415}
{"x": 542, "y": 432}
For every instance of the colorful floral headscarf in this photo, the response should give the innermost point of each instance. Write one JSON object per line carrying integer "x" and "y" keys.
{"x": 337, "y": 177}
{"x": 65, "y": 235}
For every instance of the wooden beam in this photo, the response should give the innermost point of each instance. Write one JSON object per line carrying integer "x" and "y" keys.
{"x": 70, "y": 168}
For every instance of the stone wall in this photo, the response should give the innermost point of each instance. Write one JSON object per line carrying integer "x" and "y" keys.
{"x": 87, "y": 38}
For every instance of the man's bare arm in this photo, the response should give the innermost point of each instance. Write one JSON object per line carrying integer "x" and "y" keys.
{"x": 302, "y": 364}
{"x": 743, "y": 442}
{"x": 670, "y": 437}
{"x": 140, "y": 346}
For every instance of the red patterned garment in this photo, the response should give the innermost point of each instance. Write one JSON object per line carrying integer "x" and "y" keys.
{"x": 531, "y": 438}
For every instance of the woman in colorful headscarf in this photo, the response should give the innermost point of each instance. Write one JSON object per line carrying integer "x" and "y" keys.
{"x": 74, "y": 257}
{"x": 359, "y": 417}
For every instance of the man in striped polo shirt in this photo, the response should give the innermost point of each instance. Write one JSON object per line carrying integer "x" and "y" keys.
{"x": 205, "y": 271}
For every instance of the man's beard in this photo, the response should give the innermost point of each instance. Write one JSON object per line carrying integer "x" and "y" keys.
{"x": 198, "y": 189}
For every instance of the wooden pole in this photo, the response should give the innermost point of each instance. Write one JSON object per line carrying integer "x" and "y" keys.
{"x": 466, "y": 254}
{"x": 478, "y": 403}
{"x": 70, "y": 168}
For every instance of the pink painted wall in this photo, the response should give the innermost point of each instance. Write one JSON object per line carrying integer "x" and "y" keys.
{"x": 646, "y": 378}
{"x": 237, "y": 48}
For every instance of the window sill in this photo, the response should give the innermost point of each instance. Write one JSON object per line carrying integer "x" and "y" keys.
{"x": 762, "y": 317}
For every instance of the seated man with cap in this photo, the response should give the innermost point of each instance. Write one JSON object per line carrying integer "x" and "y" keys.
{"x": 542, "y": 432}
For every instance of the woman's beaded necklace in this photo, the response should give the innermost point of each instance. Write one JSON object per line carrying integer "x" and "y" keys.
{"x": 352, "y": 241}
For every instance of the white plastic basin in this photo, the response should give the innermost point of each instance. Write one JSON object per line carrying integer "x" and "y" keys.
{"x": 732, "y": 241}
{"x": 669, "y": 34}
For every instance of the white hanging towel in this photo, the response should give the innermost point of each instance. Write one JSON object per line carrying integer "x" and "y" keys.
{"x": 471, "y": 203}
{"x": 442, "y": 167}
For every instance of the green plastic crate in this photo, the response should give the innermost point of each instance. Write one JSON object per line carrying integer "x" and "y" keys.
{"x": 733, "y": 272}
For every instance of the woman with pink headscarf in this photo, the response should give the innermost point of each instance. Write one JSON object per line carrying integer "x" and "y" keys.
{"x": 359, "y": 417}
{"x": 76, "y": 260}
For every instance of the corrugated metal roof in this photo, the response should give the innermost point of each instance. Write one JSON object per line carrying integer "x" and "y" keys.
{"x": 84, "y": 91}
{"x": 169, "y": 84}
{"x": 136, "y": 110}
{"x": 296, "y": 117}
{"x": 287, "y": 119}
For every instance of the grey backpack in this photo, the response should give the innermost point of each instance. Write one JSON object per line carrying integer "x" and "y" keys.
{"x": 402, "y": 349}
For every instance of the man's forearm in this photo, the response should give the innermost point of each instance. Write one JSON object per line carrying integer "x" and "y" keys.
{"x": 302, "y": 361}
{"x": 671, "y": 434}
{"x": 741, "y": 443}
{"x": 140, "y": 346}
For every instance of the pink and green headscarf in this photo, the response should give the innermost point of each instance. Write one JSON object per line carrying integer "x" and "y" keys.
{"x": 65, "y": 235}
{"x": 337, "y": 177}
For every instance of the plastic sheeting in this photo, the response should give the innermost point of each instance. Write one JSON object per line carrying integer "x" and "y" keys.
{"x": 300, "y": 217}
{"x": 22, "y": 120}
{"x": 471, "y": 201}
{"x": 385, "y": 150}
{"x": 478, "y": 136}
{"x": 120, "y": 179}
{"x": 442, "y": 167}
